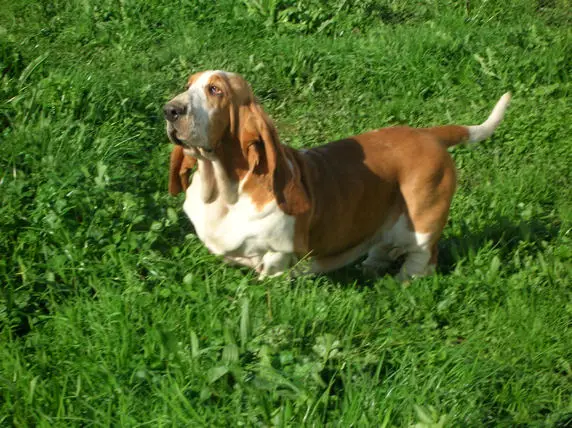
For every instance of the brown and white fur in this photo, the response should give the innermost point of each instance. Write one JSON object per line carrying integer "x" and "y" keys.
{"x": 256, "y": 202}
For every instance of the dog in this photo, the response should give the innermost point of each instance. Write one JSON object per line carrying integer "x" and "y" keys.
{"x": 383, "y": 194}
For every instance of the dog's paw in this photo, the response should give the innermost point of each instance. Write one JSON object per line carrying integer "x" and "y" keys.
{"x": 406, "y": 277}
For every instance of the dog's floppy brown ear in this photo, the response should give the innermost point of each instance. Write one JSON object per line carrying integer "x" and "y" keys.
{"x": 274, "y": 160}
{"x": 180, "y": 168}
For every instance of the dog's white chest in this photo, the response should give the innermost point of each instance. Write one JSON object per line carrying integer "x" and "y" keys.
{"x": 240, "y": 230}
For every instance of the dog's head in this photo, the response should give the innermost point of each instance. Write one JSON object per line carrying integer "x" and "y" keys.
{"x": 199, "y": 117}
{"x": 218, "y": 118}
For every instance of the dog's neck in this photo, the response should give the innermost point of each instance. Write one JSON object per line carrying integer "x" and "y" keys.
{"x": 221, "y": 170}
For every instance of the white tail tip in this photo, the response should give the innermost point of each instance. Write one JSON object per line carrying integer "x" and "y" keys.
{"x": 486, "y": 129}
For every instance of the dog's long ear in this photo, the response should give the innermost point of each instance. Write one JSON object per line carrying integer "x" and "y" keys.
{"x": 266, "y": 155}
{"x": 180, "y": 168}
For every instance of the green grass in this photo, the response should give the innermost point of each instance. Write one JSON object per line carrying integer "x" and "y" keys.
{"x": 113, "y": 313}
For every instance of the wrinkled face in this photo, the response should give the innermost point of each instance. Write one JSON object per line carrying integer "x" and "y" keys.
{"x": 199, "y": 117}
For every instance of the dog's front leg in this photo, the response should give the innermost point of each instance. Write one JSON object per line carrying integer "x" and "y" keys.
{"x": 276, "y": 264}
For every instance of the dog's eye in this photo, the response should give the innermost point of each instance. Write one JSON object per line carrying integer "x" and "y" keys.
{"x": 213, "y": 90}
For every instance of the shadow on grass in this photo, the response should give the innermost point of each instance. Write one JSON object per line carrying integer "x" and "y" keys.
{"x": 504, "y": 235}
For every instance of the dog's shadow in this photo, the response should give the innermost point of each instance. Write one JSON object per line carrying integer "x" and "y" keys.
{"x": 505, "y": 236}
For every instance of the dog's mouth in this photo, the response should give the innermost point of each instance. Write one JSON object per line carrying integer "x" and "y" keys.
{"x": 172, "y": 134}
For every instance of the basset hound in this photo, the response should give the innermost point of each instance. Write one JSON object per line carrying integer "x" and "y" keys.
{"x": 383, "y": 194}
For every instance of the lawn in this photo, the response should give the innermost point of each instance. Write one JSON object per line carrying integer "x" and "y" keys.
{"x": 113, "y": 313}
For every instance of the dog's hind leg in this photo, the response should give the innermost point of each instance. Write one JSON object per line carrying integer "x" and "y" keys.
{"x": 418, "y": 257}
{"x": 428, "y": 199}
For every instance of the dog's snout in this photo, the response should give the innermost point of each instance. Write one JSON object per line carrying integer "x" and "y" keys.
{"x": 173, "y": 111}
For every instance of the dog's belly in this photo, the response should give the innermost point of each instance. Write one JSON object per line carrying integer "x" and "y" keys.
{"x": 240, "y": 231}
{"x": 393, "y": 240}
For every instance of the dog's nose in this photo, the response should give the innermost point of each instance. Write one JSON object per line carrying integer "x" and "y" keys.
{"x": 173, "y": 111}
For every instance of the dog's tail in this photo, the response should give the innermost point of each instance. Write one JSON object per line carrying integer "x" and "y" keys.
{"x": 451, "y": 135}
